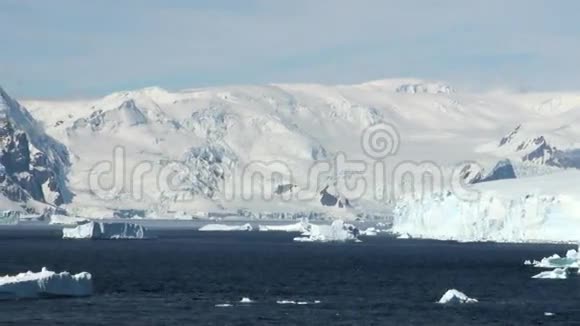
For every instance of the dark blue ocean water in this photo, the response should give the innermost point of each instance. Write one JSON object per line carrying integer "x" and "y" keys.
{"x": 178, "y": 279}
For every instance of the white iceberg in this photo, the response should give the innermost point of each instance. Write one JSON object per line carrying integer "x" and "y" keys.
{"x": 224, "y": 227}
{"x": 99, "y": 230}
{"x": 455, "y": 297}
{"x": 337, "y": 231}
{"x": 301, "y": 227}
{"x": 223, "y": 305}
{"x": 556, "y": 274}
{"x": 246, "y": 300}
{"x": 572, "y": 260}
{"x": 45, "y": 284}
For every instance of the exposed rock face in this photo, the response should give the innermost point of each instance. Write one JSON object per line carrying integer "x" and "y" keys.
{"x": 24, "y": 175}
{"x": 32, "y": 165}
{"x": 471, "y": 173}
{"x": 425, "y": 88}
{"x": 502, "y": 170}
{"x": 284, "y": 188}
{"x": 538, "y": 150}
{"x": 329, "y": 199}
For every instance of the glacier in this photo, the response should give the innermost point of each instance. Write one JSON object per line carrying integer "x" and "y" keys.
{"x": 106, "y": 231}
{"x": 534, "y": 209}
{"x": 45, "y": 284}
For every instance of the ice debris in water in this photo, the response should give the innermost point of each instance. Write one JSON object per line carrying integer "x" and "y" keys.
{"x": 338, "y": 231}
{"x": 455, "y": 297}
{"x": 246, "y": 300}
{"x": 556, "y": 274}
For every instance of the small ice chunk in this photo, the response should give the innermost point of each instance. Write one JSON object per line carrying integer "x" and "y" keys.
{"x": 556, "y": 274}
{"x": 549, "y": 314}
{"x": 528, "y": 263}
{"x": 223, "y": 305}
{"x": 286, "y": 302}
{"x": 225, "y": 228}
{"x": 246, "y": 300}
{"x": 455, "y": 297}
{"x": 555, "y": 261}
{"x": 404, "y": 236}
{"x": 337, "y": 231}
{"x": 301, "y": 227}
{"x": 45, "y": 284}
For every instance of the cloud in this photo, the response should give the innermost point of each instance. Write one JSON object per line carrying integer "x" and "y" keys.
{"x": 71, "y": 48}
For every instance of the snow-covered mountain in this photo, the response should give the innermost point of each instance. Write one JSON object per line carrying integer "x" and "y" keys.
{"x": 33, "y": 166}
{"x": 123, "y": 148}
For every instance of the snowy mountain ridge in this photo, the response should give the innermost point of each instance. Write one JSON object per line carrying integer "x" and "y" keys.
{"x": 206, "y": 138}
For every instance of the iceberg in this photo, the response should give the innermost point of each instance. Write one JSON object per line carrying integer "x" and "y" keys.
{"x": 45, "y": 284}
{"x": 100, "y": 231}
{"x": 556, "y": 274}
{"x": 246, "y": 300}
{"x": 337, "y": 231}
{"x": 455, "y": 297}
{"x": 301, "y": 227}
{"x": 571, "y": 260}
{"x": 223, "y": 227}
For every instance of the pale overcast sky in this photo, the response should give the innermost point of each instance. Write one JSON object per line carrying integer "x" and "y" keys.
{"x": 69, "y": 48}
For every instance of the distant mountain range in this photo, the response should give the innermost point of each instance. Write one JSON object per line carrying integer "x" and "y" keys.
{"x": 53, "y": 152}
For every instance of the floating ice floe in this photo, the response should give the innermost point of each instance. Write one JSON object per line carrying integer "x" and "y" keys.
{"x": 338, "y": 231}
{"x": 223, "y": 305}
{"x": 549, "y": 314}
{"x": 302, "y": 226}
{"x": 297, "y": 302}
{"x": 556, "y": 274}
{"x": 45, "y": 284}
{"x": 246, "y": 300}
{"x": 105, "y": 231}
{"x": 455, "y": 297}
{"x": 572, "y": 260}
{"x": 224, "y": 227}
